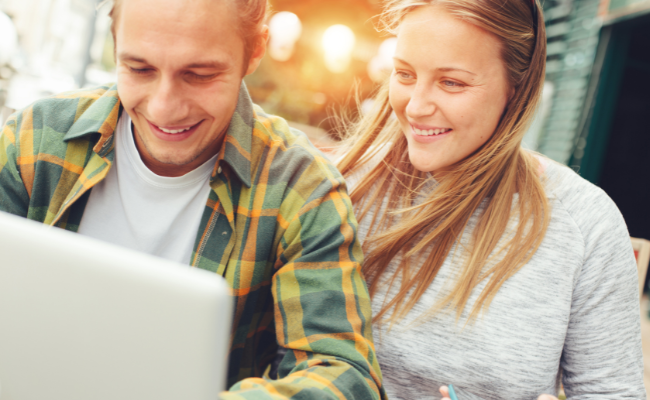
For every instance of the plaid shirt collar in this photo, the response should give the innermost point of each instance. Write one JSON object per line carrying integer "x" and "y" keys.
{"x": 101, "y": 117}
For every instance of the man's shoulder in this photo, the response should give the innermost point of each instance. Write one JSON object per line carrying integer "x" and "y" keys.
{"x": 57, "y": 114}
{"x": 291, "y": 148}
{"x": 275, "y": 130}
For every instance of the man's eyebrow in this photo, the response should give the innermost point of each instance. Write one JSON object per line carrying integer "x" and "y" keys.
{"x": 214, "y": 64}
{"x": 130, "y": 57}
{"x": 219, "y": 65}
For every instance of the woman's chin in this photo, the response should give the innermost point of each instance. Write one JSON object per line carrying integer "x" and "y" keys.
{"x": 424, "y": 165}
{"x": 424, "y": 161}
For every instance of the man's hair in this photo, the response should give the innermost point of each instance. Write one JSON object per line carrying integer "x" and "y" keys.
{"x": 251, "y": 15}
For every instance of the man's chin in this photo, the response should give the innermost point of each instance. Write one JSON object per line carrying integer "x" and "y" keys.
{"x": 171, "y": 164}
{"x": 179, "y": 161}
{"x": 171, "y": 160}
{"x": 174, "y": 160}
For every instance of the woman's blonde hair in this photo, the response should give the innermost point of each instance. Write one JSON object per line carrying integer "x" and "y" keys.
{"x": 509, "y": 230}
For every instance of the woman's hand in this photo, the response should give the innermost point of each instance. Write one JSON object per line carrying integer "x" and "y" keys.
{"x": 444, "y": 391}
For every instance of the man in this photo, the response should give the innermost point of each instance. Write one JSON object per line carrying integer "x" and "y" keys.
{"x": 176, "y": 161}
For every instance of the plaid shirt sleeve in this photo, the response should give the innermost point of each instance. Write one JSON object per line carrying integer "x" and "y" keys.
{"x": 40, "y": 170}
{"x": 321, "y": 303}
{"x": 278, "y": 225}
{"x": 14, "y": 198}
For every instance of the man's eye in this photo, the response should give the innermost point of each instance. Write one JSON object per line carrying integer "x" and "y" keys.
{"x": 201, "y": 78}
{"x": 140, "y": 70}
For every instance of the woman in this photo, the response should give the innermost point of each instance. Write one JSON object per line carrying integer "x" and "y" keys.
{"x": 489, "y": 267}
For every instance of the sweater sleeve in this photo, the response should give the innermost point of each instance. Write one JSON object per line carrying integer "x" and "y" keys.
{"x": 602, "y": 356}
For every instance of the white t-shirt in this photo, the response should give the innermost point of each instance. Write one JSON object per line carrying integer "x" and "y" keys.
{"x": 135, "y": 208}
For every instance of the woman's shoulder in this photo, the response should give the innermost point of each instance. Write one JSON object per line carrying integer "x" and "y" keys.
{"x": 566, "y": 185}
{"x": 587, "y": 206}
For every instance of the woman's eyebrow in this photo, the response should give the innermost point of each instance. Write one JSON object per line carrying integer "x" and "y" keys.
{"x": 400, "y": 60}
{"x": 443, "y": 69}
{"x": 448, "y": 69}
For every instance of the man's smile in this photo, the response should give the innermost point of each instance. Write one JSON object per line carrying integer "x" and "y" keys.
{"x": 173, "y": 133}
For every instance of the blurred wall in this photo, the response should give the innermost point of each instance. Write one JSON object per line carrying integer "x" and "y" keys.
{"x": 56, "y": 39}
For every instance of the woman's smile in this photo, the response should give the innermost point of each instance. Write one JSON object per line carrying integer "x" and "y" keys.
{"x": 428, "y": 134}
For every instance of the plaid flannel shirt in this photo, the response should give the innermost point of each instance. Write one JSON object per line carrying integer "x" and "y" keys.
{"x": 278, "y": 225}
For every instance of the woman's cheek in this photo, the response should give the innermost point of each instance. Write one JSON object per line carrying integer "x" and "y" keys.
{"x": 398, "y": 98}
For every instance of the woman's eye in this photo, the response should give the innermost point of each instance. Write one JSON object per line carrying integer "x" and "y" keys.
{"x": 403, "y": 74}
{"x": 453, "y": 84}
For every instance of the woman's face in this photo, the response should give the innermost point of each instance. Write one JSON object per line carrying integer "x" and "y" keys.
{"x": 449, "y": 87}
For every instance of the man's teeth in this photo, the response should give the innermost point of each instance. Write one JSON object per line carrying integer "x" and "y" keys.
{"x": 429, "y": 132}
{"x": 172, "y": 131}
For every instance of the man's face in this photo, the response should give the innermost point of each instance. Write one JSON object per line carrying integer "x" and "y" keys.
{"x": 180, "y": 65}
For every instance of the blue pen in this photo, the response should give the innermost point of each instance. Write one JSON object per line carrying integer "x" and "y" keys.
{"x": 452, "y": 392}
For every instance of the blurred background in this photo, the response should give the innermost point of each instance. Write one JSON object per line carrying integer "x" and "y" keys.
{"x": 596, "y": 94}
{"x": 321, "y": 53}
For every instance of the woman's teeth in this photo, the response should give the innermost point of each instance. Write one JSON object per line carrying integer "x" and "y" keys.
{"x": 172, "y": 131}
{"x": 429, "y": 132}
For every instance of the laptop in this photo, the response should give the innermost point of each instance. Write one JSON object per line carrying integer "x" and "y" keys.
{"x": 82, "y": 319}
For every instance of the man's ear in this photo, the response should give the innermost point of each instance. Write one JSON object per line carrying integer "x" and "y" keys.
{"x": 258, "y": 51}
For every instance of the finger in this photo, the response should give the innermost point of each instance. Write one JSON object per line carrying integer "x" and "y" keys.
{"x": 444, "y": 391}
{"x": 547, "y": 397}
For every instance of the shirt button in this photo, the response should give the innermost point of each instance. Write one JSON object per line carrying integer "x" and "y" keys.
{"x": 219, "y": 170}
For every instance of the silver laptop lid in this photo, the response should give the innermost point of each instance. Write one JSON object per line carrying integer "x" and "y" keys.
{"x": 82, "y": 319}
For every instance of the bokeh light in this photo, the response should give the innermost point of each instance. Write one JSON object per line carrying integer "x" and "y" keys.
{"x": 380, "y": 67}
{"x": 285, "y": 29}
{"x": 338, "y": 44}
{"x": 8, "y": 39}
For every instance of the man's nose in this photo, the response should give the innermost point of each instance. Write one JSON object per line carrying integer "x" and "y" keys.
{"x": 423, "y": 101}
{"x": 167, "y": 104}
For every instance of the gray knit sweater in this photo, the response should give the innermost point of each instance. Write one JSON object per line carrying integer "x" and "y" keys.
{"x": 572, "y": 311}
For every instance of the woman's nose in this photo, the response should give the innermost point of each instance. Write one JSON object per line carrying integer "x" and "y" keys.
{"x": 422, "y": 102}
